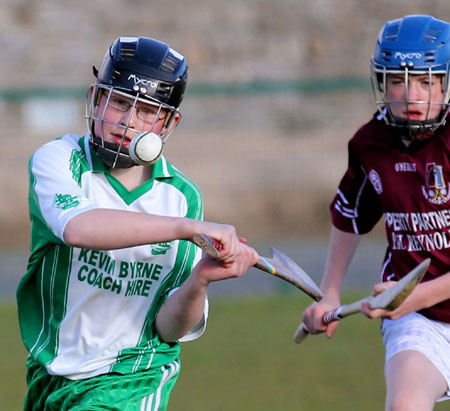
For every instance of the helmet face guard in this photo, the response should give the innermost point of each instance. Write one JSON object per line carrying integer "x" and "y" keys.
{"x": 135, "y": 75}
{"x": 116, "y": 155}
{"x": 414, "y": 45}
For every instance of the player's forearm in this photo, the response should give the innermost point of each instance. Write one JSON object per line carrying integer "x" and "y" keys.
{"x": 183, "y": 311}
{"x": 112, "y": 229}
{"x": 342, "y": 247}
{"x": 431, "y": 292}
{"x": 425, "y": 295}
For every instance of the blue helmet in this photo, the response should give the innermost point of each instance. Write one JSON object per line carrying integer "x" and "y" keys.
{"x": 146, "y": 66}
{"x": 144, "y": 70}
{"x": 412, "y": 45}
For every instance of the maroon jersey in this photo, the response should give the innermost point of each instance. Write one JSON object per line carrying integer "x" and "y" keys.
{"x": 410, "y": 187}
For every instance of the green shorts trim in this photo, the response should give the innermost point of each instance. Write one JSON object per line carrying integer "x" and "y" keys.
{"x": 145, "y": 390}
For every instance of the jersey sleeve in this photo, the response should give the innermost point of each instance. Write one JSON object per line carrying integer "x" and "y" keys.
{"x": 200, "y": 328}
{"x": 356, "y": 208}
{"x": 55, "y": 194}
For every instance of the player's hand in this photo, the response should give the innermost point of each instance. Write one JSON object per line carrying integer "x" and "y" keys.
{"x": 313, "y": 315}
{"x": 411, "y": 304}
{"x": 209, "y": 270}
{"x": 377, "y": 289}
{"x": 380, "y": 287}
{"x": 225, "y": 240}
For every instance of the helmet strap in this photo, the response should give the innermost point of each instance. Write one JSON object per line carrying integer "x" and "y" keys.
{"x": 107, "y": 152}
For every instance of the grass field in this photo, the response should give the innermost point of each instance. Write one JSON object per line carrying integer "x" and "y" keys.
{"x": 247, "y": 361}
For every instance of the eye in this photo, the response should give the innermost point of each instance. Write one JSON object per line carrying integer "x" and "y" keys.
{"x": 395, "y": 80}
{"x": 148, "y": 111}
{"x": 120, "y": 103}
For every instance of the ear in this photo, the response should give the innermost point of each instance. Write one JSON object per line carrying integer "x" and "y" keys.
{"x": 172, "y": 122}
{"x": 176, "y": 119}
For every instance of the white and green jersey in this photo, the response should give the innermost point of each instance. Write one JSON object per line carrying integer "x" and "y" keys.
{"x": 88, "y": 312}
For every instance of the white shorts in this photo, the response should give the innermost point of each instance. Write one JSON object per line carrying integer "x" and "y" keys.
{"x": 418, "y": 333}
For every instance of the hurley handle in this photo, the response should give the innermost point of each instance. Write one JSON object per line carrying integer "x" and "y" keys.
{"x": 206, "y": 244}
{"x": 333, "y": 315}
{"x": 301, "y": 333}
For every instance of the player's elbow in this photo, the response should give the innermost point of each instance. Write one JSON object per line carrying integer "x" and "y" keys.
{"x": 166, "y": 334}
{"x": 80, "y": 232}
{"x": 72, "y": 235}
{"x": 84, "y": 230}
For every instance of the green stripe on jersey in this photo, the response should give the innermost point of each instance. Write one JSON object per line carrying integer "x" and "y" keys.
{"x": 39, "y": 227}
{"x": 43, "y": 317}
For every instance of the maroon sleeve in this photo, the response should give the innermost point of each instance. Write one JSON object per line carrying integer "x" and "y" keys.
{"x": 356, "y": 208}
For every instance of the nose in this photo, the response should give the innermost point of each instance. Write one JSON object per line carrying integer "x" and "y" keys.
{"x": 412, "y": 92}
{"x": 129, "y": 118}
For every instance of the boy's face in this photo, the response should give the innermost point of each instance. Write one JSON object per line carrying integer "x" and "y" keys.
{"x": 419, "y": 100}
{"x": 121, "y": 122}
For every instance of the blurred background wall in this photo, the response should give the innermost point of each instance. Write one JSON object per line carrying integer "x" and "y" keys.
{"x": 276, "y": 88}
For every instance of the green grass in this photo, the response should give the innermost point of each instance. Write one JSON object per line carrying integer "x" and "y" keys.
{"x": 12, "y": 360}
{"x": 247, "y": 361}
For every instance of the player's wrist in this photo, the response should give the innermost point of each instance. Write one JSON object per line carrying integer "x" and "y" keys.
{"x": 199, "y": 279}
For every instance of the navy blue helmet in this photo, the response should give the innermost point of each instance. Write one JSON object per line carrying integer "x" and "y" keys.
{"x": 141, "y": 68}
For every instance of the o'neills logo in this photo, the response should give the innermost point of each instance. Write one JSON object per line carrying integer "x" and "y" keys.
{"x": 436, "y": 191}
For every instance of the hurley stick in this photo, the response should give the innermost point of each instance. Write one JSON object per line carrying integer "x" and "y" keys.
{"x": 279, "y": 265}
{"x": 389, "y": 299}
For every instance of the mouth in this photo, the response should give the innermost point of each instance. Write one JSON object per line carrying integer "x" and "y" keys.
{"x": 413, "y": 115}
{"x": 120, "y": 139}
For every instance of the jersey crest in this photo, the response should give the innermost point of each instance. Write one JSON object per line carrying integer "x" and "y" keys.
{"x": 376, "y": 181}
{"x": 65, "y": 201}
{"x": 161, "y": 248}
{"x": 436, "y": 190}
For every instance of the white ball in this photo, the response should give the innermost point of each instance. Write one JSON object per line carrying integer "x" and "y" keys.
{"x": 146, "y": 148}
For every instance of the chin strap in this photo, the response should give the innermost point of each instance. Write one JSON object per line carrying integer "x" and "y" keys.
{"x": 109, "y": 154}
{"x": 414, "y": 130}
{"x": 424, "y": 136}
{"x": 408, "y": 137}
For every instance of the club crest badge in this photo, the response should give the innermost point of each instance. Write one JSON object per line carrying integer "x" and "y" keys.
{"x": 436, "y": 190}
{"x": 65, "y": 201}
{"x": 161, "y": 248}
{"x": 376, "y": 181}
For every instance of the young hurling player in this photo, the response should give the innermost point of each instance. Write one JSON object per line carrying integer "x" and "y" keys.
{"x": 399, "y": 169}
{"x": 113, "y": 282}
